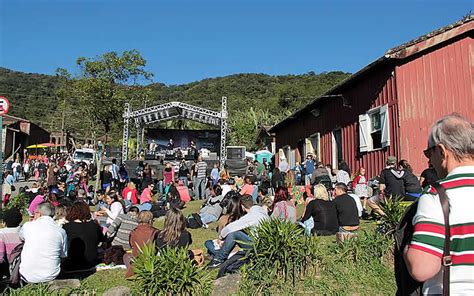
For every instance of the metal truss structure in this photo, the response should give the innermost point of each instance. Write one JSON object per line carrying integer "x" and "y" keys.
{"x": 170, "y": 111}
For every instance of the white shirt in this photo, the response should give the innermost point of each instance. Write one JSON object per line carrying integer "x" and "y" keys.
{"x": 226, "y": 189}
{"x": 114, "y": 169}
{"x": 116, "y": 209}
{"x": 358, "y": 203}
{"x": 255, "y": 215}
{"x": 343, "y": 177}
{"x": 45, "y": 245}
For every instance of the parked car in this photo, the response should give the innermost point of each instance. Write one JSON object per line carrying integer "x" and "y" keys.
{"x": 86, "y": 155}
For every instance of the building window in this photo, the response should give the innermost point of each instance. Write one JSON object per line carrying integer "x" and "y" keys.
{"x": 312, "y": 146}
{"x": 374, "y": 129}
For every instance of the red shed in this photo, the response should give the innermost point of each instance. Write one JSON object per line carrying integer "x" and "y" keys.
{"x": 388, "y": 107}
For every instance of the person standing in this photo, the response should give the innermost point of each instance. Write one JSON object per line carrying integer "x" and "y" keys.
{"x": 201, "y": 174}
{"x": 451, "y": 152}
{"x": 7, "y": 187}
{"x": 159, "y": 176}
{"x": 16, "y": 167}
{"x": 183, "y": 172}
{"x": 114, "y": 169}
{"x": 344, "y": 173}
{"x": 309, "y": 169}
{"x": 360, "y": 186}
{"x": 215, "y": 174}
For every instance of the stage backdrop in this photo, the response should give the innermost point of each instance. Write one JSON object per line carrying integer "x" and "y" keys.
{"x": 159, "y": 138}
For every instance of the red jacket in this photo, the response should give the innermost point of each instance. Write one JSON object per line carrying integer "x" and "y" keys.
{"x": 133, "y": 196}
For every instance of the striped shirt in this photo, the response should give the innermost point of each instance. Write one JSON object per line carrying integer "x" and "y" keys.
{"x": 201, "y": 168}
{"x": 429, "y": 231}
{"x": 121, "y": 228}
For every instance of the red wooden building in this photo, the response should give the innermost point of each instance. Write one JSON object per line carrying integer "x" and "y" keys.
{"x": 388, "y": 107}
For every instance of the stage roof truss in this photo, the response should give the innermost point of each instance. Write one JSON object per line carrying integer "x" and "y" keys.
{"x": 175, "y": 110}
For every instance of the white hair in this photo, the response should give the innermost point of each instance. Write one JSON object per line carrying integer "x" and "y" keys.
{"x": 456, "y": 134}
{"x": 46, "y": 209}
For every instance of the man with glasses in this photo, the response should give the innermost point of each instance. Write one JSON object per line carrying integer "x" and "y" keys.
{"x": 451, "y": 152}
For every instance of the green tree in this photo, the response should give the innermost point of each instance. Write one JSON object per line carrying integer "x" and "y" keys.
{"x": 104, "y": 84}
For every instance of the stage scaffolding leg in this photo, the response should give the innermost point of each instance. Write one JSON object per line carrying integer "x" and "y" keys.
{"x": 126, "y": 122}
{"x": 223, "y": 155}
{"x": 139, "y": 133}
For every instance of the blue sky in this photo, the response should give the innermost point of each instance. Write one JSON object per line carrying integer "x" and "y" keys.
{"x": 188, "y": 40}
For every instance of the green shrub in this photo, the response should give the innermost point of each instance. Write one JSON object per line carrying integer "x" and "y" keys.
{"x": 169, "y": 273}
{"x": 21, "y": 202}
{"x": 44, "y": 290}
{"x": 394, "y": 208}
{"x": 359, "y": 266}
{"x": 280, "y": 253}
{"x": 366, "y": 247}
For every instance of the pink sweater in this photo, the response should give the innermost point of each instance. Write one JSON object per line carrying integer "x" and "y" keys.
{"x": 34, "y": 204}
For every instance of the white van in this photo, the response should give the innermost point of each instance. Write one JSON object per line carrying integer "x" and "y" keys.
{"x": 86, "y": 155}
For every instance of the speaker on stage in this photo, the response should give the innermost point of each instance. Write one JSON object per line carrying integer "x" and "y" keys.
{"x": 236, "y": 152}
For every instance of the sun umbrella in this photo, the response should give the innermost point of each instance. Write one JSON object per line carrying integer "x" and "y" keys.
{"x": 35, "y": 146}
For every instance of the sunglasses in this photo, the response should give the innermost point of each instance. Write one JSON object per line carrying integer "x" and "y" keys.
{"x": 427, "y": 152}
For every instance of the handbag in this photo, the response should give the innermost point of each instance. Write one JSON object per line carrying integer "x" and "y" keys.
{"x": 198, "y": 257}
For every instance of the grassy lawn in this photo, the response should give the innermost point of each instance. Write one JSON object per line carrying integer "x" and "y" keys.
{"x": 99, "y": 282}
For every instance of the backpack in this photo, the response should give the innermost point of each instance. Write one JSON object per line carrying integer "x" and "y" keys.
{"x": 194, "y": 221}
{"x": 14, "y": 268}
{"x": 325, "y": 180}
{"x": 233, "y": 264}
{"x": 406, "y": 285}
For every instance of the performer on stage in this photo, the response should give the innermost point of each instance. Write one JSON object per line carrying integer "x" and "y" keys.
{"x": 170, "y": 145}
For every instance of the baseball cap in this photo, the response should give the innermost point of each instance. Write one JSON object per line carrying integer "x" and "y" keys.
{"x": 391, "y": 160}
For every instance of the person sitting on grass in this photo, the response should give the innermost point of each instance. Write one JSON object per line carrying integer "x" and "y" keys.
{"x": 146, "y": 198}
{"x": 323, "y": 213}
{"x": 114, "y": 207}
{"x": 347, "y": 212}
{"x": 212, "y": 210}
{"x": 234, "y": 232}
{"x": 60, "y": 214}
{"x": 234, "y": 213}
{"x": 247, "y": 188}
{"x": 142, "y": 235}
{"x": 174, "y": 233}
{"x": 283, "y": 208}
{"x": 9, "y": 238}
{"x": 39, "y": 198}
{"x": 122, "y": 226}
{"x": 45, "y": 245}
{"x": 84, "y": 236}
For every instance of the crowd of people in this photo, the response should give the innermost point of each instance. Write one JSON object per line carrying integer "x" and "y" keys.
{"x": 74, "y": 239}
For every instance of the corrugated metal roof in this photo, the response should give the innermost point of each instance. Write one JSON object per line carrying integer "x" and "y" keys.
{"x": 398, "y": 52}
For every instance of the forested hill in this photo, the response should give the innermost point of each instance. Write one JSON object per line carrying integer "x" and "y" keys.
{"x": 273, "y": 93}
{"x": 33, "y": 96}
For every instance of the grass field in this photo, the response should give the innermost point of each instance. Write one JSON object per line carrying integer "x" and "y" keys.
{"x": 101, "y": 281}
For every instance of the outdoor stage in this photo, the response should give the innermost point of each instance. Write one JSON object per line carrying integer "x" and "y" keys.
{"x": 157, "y": 143}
